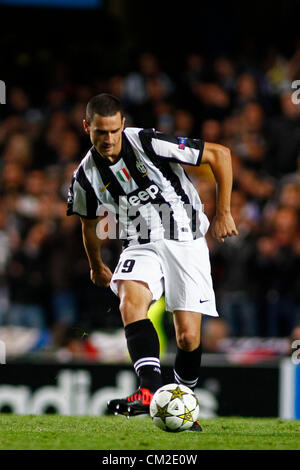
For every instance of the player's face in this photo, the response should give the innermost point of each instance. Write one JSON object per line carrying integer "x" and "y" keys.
{"x": 106, "y": 134}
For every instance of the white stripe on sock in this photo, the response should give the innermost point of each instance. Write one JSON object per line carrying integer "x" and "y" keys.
{"x": 147, "y": 363}
{"x": 153, "y": 359}
{"x": 188, "y": 383}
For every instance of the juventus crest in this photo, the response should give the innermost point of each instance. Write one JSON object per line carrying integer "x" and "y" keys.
{"x": 140, "y": 165}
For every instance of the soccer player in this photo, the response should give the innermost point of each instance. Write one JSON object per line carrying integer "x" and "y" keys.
{"x": 137, "y": 174}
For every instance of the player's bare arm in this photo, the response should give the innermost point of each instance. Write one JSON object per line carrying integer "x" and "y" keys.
{"x": 219, "y": 159}
{"x": 100, "y": 273}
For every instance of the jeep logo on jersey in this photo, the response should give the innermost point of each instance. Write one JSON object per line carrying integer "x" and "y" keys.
{"x": 143, "y": 196}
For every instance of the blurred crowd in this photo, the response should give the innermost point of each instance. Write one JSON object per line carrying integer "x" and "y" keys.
{"x": 249, "y": 107}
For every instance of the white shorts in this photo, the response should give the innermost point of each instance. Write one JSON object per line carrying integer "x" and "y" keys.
{"x": 178, "y": 270}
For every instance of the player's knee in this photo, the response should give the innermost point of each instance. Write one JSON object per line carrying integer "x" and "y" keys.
{"x": 127, "y": 304}
{"x": 188, "y": 340}
{"x": 131, "y": 309}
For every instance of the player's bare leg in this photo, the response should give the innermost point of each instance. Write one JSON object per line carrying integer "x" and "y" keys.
{"x": 135, "y": 300}
{"x": 188, "y": 329}
{"x": 143, "y": 346}
{"x": 189, "y": 350}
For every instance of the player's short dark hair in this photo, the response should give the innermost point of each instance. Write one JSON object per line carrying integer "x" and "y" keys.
{"x": 103, "y": 104}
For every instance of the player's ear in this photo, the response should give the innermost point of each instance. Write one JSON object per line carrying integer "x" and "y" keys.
{"x": 123, "y": 122}
{"x": 86, "y": 126}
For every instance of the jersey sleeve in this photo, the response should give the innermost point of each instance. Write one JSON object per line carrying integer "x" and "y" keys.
{"x": 82, "y": 199}
{"x": 176, "y": 149}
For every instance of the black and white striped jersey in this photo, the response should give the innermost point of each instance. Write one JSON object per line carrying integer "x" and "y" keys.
{"x": 146, "y": 188}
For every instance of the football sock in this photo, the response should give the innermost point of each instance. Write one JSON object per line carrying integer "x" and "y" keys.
{"x": 187, "y": 366}
{"x": 143, "y": 346}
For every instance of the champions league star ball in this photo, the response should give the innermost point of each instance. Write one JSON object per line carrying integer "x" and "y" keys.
{"x": 174, "y": 407}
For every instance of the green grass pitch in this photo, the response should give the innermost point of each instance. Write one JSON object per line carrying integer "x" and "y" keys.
{"x": 56, "y": 432}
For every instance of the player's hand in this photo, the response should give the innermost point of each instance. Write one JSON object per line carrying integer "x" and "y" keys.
{"x": 101, "y": 276}
{"x": 223, "y": 226}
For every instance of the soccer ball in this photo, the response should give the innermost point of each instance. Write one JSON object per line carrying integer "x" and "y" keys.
{"x": 174, "y": 407}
